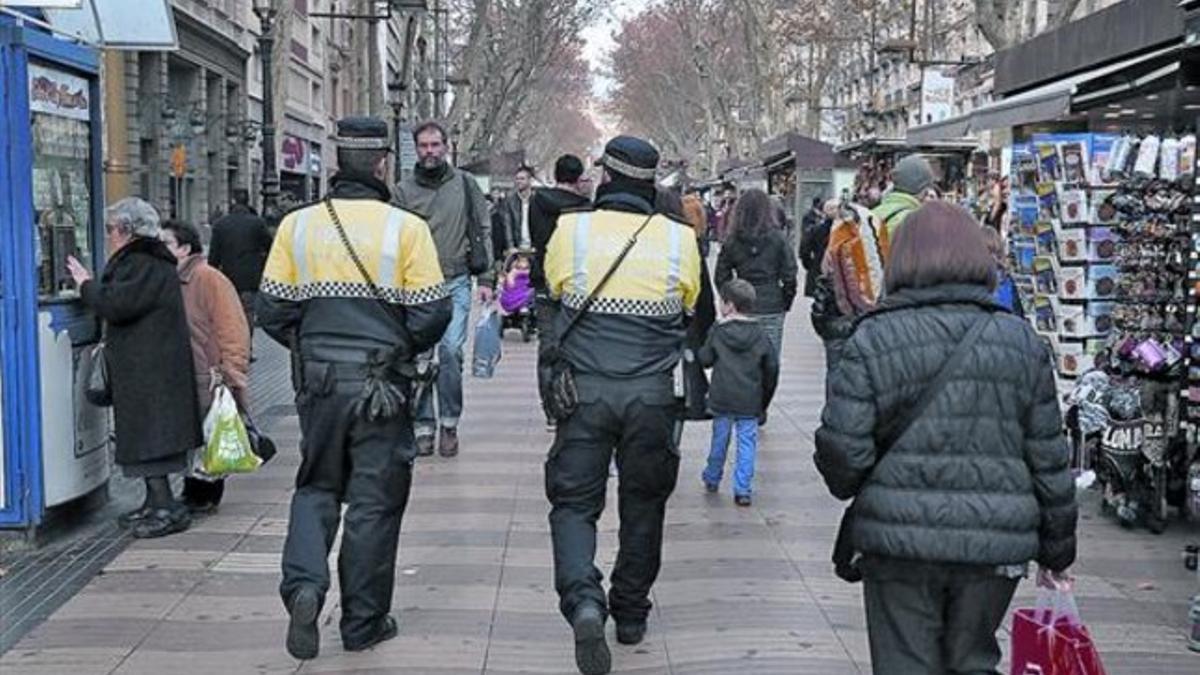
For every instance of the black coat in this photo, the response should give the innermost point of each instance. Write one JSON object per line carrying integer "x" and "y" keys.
{"x": 149, "y": 353}
{"x": 814, "y": 239}
{"x": 983, "y": 477}
{"x": 239, "y": 247}
{"x": 745, "y": 369}
{"x": 545, "y": 206}
{"x": 767, "y": 263}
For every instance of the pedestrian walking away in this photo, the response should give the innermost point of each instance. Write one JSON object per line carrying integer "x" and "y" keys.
{"x": 149, "y": 361}
{"x": 814, "y": 237}
{"x": 756, "y": 251}
{"x": 745, "y": 374}
{"x": 571, "y": 192}
{"x": 352, "y": 287}
{"x": 942, "y": 424}
{"x": 912, "y": 184}
{"x": 220, "y": 341}
{"x": 624, "y": 277}
{"x": 239, "y": 246}
{"x": 457, "y": 213}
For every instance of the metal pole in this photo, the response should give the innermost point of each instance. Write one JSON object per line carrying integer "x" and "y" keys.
{"x": 397, "y": 111}
{"x": 270, "y": 177}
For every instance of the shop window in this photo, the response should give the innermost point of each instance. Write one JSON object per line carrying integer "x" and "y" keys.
{"x": 60, "y": 123}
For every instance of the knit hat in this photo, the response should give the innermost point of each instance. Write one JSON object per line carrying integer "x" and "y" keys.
{"x": 630, "y": 156}
{"x": 912, "y": 175}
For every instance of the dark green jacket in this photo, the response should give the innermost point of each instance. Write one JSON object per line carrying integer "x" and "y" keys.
{"x": 982, "y": 478}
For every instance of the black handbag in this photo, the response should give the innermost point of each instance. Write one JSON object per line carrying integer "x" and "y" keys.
{"x": 478, "y": 260}
{"x": 97, "y": 388}
{"x": 845, "y": 558}
{"x": 563, "y": 396}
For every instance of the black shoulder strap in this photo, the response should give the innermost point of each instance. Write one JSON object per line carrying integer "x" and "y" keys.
{"x": 896, "y": 427}
{"x": 389, "y": 308}
{"x": 591, "y": 298}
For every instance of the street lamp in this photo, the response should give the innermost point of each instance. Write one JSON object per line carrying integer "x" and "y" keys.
{"x": 396, "y": 90}
{"x": 265, "y": 11}
{"x": 454, "y": 132}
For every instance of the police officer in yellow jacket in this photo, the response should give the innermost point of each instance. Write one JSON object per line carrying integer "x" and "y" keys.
{"x": 623, "y": 352}
{"x": 352, "y": 286}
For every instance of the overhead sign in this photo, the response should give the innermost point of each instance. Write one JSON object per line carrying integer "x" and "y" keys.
{"x": 42, "y": 4}
{"x": 57, "y": 93}
{"x": 138, "y": 25}
{"x": 937, "y": 96}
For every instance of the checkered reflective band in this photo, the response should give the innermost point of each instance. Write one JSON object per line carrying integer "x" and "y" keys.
{"x": 625, "y": 306}
{"x": 349, "y": 289}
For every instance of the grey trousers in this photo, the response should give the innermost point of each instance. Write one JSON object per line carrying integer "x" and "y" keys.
{"x": 936, "y": 625}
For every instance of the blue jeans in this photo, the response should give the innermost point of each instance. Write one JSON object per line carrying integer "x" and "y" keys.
{"x": 747, "y": 448}
{"x": 450, "y": 359}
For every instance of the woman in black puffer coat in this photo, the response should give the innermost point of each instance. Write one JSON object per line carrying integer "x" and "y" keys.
{"x": 978, "y": 486}
{"x": 758, "y": 252}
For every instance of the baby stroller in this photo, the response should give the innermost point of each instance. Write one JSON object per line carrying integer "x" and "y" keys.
{"x": 517, "y": 297}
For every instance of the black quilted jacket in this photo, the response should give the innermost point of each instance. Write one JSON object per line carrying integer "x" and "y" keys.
{"x": 982, "y": 478}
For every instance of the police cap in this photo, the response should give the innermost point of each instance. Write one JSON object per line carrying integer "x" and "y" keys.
{"x": 362, "y": 133}
{"x": 630, "y": 156}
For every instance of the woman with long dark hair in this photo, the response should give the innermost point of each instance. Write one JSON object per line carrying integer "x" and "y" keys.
{"x": 942, "y": 423}
{"x": 757, "y": 251}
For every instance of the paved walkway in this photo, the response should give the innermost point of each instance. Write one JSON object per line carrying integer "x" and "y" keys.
{"x": 742, "y": 590}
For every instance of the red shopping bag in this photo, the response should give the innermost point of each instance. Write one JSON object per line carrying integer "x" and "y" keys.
{"x": 1050, "y": 639}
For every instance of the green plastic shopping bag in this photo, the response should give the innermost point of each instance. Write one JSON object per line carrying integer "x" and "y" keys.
{"x": 227, "y": 446}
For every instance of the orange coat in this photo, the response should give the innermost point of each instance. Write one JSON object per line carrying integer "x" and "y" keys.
{"x": 694, "y": 213}
{"x": 219, "y": 332}
{"x": 854, "y": 261}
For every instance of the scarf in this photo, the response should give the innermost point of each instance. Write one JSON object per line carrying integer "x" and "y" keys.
{"x": 431, "y": 178}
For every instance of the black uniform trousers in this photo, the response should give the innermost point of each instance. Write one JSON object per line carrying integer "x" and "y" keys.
{"x": 935, "y": 621}
{"x": 635, "y": 419}
{"x": 367, "y": 466}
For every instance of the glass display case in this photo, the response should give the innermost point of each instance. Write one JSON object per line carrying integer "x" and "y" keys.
{"x": 60, "y": 126}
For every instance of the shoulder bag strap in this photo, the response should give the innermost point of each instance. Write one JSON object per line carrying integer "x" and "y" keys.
{"x": 389, "y": 308}
{"x": 899, "y": 424}
{"x": 591, "y": 298}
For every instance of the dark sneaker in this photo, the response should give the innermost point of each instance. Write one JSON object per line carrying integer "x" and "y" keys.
{"x": 551, "y": 424}
{"x": 130, "y": 518}
{"x": 387, "y": 631}
{"x": 711, "y": 488}
{"x": 303, "y": 639}
{"x": 742, "y": 500}
{"x": 425, "y": 446}
{"x": 162, "y": 522}
{"x": 591, "y": 650}
{"x": 631, "y": 632}
{"x": 448, "y": 443}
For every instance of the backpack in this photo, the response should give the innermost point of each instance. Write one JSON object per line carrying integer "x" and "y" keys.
{"x": 854, "y": 260}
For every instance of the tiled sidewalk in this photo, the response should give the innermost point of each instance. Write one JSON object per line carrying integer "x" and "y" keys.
{"x": 742, "y": 590}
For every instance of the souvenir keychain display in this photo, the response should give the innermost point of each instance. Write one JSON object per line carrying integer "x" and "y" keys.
{"x": 1127, "y": 276}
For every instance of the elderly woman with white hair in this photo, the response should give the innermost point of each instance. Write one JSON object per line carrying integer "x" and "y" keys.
{"x": 149, "y": 358}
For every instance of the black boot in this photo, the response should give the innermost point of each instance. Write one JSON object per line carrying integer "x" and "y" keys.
{"x": 303, "y": 638}
{"x": 631, "y": 632}
{"x": 591, "y": 650}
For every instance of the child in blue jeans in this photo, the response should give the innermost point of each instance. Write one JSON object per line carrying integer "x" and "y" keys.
{"x": 745, "y": 373}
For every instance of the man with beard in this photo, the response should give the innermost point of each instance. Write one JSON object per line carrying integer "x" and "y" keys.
{"x": 625, "y": 279}
{"x": 352, "y": 288}
{"x": 571, "y": 192}
{"x": 454, "y": 205}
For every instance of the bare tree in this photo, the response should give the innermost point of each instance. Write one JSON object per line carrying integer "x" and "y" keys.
{"x": 1000, "y": 20}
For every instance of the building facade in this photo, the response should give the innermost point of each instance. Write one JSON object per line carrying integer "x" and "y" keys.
{"x": 882, "y": 93}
